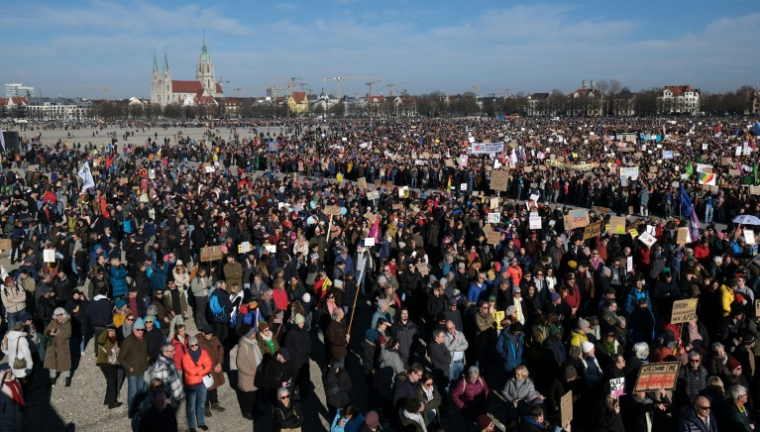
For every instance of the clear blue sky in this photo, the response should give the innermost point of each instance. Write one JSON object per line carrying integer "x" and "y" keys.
{"x": 429, "y": 45}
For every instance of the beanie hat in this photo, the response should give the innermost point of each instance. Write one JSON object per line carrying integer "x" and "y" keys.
{"x": 483, "y": 422}
{"x": 583, "y": 324}
{"x": 555, "y": 329}
{"x": 555, "y": 297}
{"x": 733, "y": 364}
{"x": 372, "y": 420}
{"x": 299, "y": 318}
{"x": 139, "y": 324}
{"x": 192, "y": 340}
{"x": 586, "y": 347}
{"x": 120, "y": 303}
{"x": 263, "y": 326}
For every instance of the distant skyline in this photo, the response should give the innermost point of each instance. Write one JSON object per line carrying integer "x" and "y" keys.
{"x": 428, "y": 45}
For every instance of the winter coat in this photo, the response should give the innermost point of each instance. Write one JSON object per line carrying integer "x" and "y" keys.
{"x": 606, "y": 419}
{"x": 520, "y": 389}
{"x": 215, "y": 351}
{"x": 165, "y": 370}
{"x": 472, "y": 398}
{"x": 182, "y": 300}
{"x": 105, "y": 348}
{"x": 14, "y": 299}
{"x": 337, "y": 387}
{"x": 233, "y": 274}
{"x": 10, "y": 411}
{"x": 390, "y": 365}
{"x": 18, "y": 347}
{"x": 247, "y": 363}
{"x": 57, "y": 354}
{"x": 287, "y": 417}
{"x": 298, "y": 342}
{"x": 194, "y": 371}
{"x": 134, "y": 355}
{"x": 119, "y": 281}
{"x": 511, "y": 354}
{"x": 336, "y": 334}
{"x": 406, "y": 335}
{"x": 180, "y": 349}
{"x": 692, "y": 423}
{"x": 440, "y": 357}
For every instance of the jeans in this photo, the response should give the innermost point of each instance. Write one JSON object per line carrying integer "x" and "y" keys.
{"x": 199, "y": 313}
{"x": 708, "y": 213}
{"x": 196, "y": 398}
{"x": 13, "y": 317}
{"x": 455, "y": 370}
{"x": 135, "y": 385}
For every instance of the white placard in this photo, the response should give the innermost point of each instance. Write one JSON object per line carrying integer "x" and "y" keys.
{"x": 749, "y": 237}
{"x": 48, "y": 255}
{"x": 647, "y": 239}
{"x": 369, "y": 241}
{"x": 493, "y": 218}
{"x": 629, "y": 263}
{"x": 463, "y": 187}
{"x": 535, "y": 220}
{"x": 271, "y": 248}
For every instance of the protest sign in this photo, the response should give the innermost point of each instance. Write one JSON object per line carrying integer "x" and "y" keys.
{"x": 617, "y": 225}
{"x": 369, "y": 242}
{"x": 566, "y": 408}
{"x": 493, "y": 237}
{"x": 568, "y": 219}
{"x": 486, "y": 148}
{"x": 493, "y": 218}
{"x": 332, "y": 211}
{"x": 647, "y": 239}
{"x": 617, "y": 387}
{"x": 494, "y": 204}
{"x": 535, "y": 220}
{"x": 245, "y": 247}
{"x": 683, "y": 236}
{"x": 592, "y": 230}
{"x": 499, "y": 180}
{"x": 362, "y": 181}
{"x": 373, "y": 195}
{"x": 655, "y": 376}
{"x": 683, "y": 311}
{"x": 211, "y": 253}
{"x": 6, "y": 244}
{"x": 48, "y": 255}
{"x": 423, "y": 269}
{"x": 749, "y": 236}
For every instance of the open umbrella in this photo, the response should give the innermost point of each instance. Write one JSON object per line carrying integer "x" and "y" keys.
{"x": 746, "y": 220}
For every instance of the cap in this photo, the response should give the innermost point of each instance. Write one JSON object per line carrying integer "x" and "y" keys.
{"x": 492, "y": 298}
{"x": 587, "y": 347}
{"x": 207, "y": 329}
{"x": 192, "y": 340}
{"x": 24, "y": 317}
{"x": 511, "y": 310}
{"x": 554, "y": 296}
{"x": 748, "y": 338}
{"x": 120, "y": 303}
{"x": 583, "y": 324}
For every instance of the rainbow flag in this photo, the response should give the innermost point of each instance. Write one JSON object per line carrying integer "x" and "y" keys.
{"x": 707, "y": 179}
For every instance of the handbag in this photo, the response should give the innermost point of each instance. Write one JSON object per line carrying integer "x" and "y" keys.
{"x": 113, "y": 358}
{"x": 311, "y": 279}
{"x": 208, "y": 380}
{"x": 49, "y": 338}
{"x": 19, "y": 363}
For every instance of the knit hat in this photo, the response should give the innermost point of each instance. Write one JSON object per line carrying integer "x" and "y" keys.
{"x": 139, "y": 324}
{"x": 583, "y": 324}
{"x": 372, "y": 420}
{"x": 555, "y": 329}
{"x": 739, "y": 298}
{"x": 483, "y": 422}
{"x": 382, "y": 279}
{"x": 338, "y": 283}
{"x": 24, "y": 317}
{"x": 586, "y": 347}
{"x": 150, "y": 318}
{"x": 192, "y": 340}
{"x": 733, "y": 364}
{"x": 299, "y": 318}
{"x": 120, "y": 303}
{"x": 554, "y": 296}
{"x": 511, "y": 310}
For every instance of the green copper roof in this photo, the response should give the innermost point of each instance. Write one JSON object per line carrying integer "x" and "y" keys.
{"x": 204, "y": 51}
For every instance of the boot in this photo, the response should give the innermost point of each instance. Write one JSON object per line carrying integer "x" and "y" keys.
{"x": 68, "y": 381}
{"x": 114, "y": 405}
{"x": 52, "y": 382}
{"x": 216, "y": 407}
{"x": 208, "y": 411}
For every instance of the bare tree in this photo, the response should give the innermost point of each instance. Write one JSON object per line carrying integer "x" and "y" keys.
{"x": 615, "y": 86}
{"x": 602, "y": 86}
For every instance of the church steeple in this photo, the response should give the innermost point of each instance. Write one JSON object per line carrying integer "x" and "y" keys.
{"x": 155, "y": 64}
{"x": 166, "y": 63}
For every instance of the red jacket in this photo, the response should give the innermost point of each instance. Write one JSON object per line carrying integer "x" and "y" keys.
{"x": 194, "y": 371}
{"x": 180, "y": 349}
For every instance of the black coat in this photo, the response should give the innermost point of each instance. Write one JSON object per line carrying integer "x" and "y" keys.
{"x": 440, "y": 356}
{"x": 337, "y": 387}
{"x": 275, "y": 373}
{"x": 298, "y": 342}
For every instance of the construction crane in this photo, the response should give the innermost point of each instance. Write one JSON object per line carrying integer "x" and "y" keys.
{"x": 96, "y": 88}
{"x": 289, "y": 85}
{"x": 393, "y": 85}
{"x": 238, "y": 90}
{"x": 303, "y": 84}
{"x": 221, "y": 80}
{"x": 338, "y": 80}
{"x": 369, "y": 85}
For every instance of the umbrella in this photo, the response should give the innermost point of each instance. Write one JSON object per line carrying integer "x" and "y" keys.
{"x": 746, "y": 220}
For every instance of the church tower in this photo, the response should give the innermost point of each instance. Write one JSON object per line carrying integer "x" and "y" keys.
{"x": 155, "y": 83}
{"x": 205, "y": 71}
{"x": 166, "y": 83}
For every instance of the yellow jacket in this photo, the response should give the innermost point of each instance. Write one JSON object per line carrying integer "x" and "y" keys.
{"x": 727, "y": 297}
{"x": 577, "y": 336}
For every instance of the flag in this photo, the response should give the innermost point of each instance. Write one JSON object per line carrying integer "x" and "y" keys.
{"x": 2, "y": 139}
{"x": 448, "y": 186}
{"x": 754, "y": 173}
{"x": 694, "y": 226}
{"x": 86, "y": 176}
{"x": 374, "y": 232}
{"x": 689, "y": 169}
{"x": 686, "y": 207}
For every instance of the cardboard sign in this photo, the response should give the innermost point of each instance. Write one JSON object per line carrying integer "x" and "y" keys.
{"x": 749, "y": 236}
{"x": 683, "y": 236}
{"x": 617, "y": 225}
{"x": 757, "y": 307}
{"x": 754, "y": 190}
{"x": 123, "y": 181}
{"x": 617, "y": 387}
{"x": 362, "y": 182}
{"x": 734, "y": 172}
{"x": 535, "y": 220}
{"x": 34, "y": 167}
{"x": 398, "y": 206}
{"x": 566, "y": 408}
{"x": 494, "y": 203}
{"x": 493, "y": 237}
{"x": 655, "y": 376}
{"x": 499, "y": 180}
{"x": 48, "y": 255}
{"x": 580, "y": 218}
{"x": 647, "y": 239}
{"x": 592, "y": 230}
{"x": 211, "y": 253}
{"x": 6, "y": 244}
{"x": 726, "y": 161}
{"x": 493, "y": 218}
{"x": 378, "y": 182}
{"x": 568, "y": 222}
{"x": 373, "y": 195}
{"x": 332, "y": 211}
{"x": 423, "y": 269}
{"x": 389, "y": 184}
{"x": 683, "y": 311}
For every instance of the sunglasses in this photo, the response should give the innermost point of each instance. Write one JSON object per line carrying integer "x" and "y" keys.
{"x": 707, "y": 408}
{"x": 284, "y": 397}
{"x": 138, "y": 330}
{"x": 193, "y": 345}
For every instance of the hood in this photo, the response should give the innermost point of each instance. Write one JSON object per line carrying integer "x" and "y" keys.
{"x": 14, "y": 335}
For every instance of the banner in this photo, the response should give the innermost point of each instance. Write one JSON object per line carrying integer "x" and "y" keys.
{"x": 535, "y": 220}
{"x": 483, "y": 148}
{"x": 273, "y": 146}
{"x": 707, "y": 178}
{"x": 655, "y": 376}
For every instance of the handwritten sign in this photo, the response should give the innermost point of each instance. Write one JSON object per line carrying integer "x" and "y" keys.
{"x": 683, "y": 236}
{"x": 211, "y": 253}
{"x": 683, "y": 311}
{"x": 592, "y": 230}
{"x": 373, "y": 195}
{"x": 568, "y": 222}
{"x": 423, "y": 269}
{"x": 332, "y": 211}
{"x": 617, "y": 225}
{"x": 757, "y": 308}
{"x": 647, "y": 239}
{"x": 493, "y": 237}
{"x": 655, "y": 376}
{"x": 749, "y": 236}
{"x": 493, "y": 218}
{"x": 499, "y": 180}
{"x": 362, "y": 182}
{"x": 48, "y": 255}
{"x": 617, "y": 387}
{"x": 398, "y": 206}
{"x": 535, "y": 220}
{"x": 6, "y": 244}
{"x": 580, "y": 218}
{"x": 566, "y": 408}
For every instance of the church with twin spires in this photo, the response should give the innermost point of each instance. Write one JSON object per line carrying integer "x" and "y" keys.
{"x": 165, "y": 91}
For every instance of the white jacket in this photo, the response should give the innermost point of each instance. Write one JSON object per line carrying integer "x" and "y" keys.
{"x": 18, "y": 339}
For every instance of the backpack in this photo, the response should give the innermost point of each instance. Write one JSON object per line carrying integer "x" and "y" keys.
{"x": 217, "y": 310}
{"x": 233, "y": 356}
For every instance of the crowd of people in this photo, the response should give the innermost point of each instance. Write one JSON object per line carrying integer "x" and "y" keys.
{"x": 479, "y": 294}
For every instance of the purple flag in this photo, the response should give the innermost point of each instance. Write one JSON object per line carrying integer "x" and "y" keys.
{"x": 694, "y": 226}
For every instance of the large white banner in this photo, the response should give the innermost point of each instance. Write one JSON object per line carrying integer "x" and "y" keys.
{"x": 483, "y": 148}
{"x": 86, "y": 176}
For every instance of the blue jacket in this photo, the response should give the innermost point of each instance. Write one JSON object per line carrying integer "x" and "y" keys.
{"x": 119, "y": 281}
{"x": 511, "y": 354}
{"x": 475, "y": 292}
{"x": 632, "y": 300}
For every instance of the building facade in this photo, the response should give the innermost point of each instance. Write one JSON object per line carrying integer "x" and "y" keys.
{"x": 678, "y": 99}
{"x": 59, "y": 109}
{"x": 165, "y": 91}
{"x": 18, "y": 90}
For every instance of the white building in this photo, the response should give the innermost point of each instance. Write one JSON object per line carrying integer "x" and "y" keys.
{"x": 681, "y": 99}
{"x": 164, "y": 90}
{"x": 59, "y": 109}
{"x": 18, "y": 90}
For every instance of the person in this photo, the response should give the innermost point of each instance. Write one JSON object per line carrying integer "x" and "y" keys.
{"x": 108, "y": 353}
{"x": 691, "y": 380}
{"x": 406, "y": 332}
{"x": 738, "y": 416}
{"x": 179, "y": 340}
{"x": 213, "y": 346}
{"x": 470, "y": 394}
{"x": 431, "y": 398}
{"x": 199, "y": 287}
{"x": 484, "y": 423}
{"x": 220, "y": 319}
{"x": 196, "y": 364}
{"x": 699, "y": 417}
{"x": 133, "y": 357}
{"x": 410, "y": 418}
{"x": 12, "y": 402}
{"x": 154, "y": 337}
{"x": 371, "y": 423}
{"x": 338, "y": 336}
{"x": 166, "y": 370}
{"x": 278, "y": 373}
{"x": 286, "y": 414}
{"x": 347, "y": 419}
{"x": 161, "y": 416}
{"x": 441, "y": 359}
{"x": 519, "y": 392}
{"x": 607, "y": 416}
{"x": 247, "y": 360}
{"x": 457, "y": 345}
{"x": 14, "y": 300}
{"x": 337, "y": 385}
{"x": 58, "y": 354}
{"x": 535, "y": 420}
{"x": 510, "y": 345}
{"x": 18, "y": 351}
{"x": 99, "y": 313}
{"x": 298, "y": 342}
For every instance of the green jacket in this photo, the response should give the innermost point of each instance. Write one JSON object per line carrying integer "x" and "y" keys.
{"x": 737, "y": 420}
{"x": 105, "y": 346}
{"x": 134, "y": 355}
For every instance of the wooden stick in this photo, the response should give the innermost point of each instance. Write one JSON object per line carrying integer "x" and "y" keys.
{"x": 353, "y": 309}
{"x": 329, "y": 227}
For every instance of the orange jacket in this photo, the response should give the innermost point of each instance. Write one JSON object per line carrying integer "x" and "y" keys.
{"x": 194, "y": 371}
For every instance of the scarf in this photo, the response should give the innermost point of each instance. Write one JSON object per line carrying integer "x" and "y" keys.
{"x": 18, "y": 396}
{"x": 417, "y": 418}
{"x": 126, "y": 329}
{"x": 112, "y": 338}
{"x": 610, "y": 347}
{"x": 195, "y": 355}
